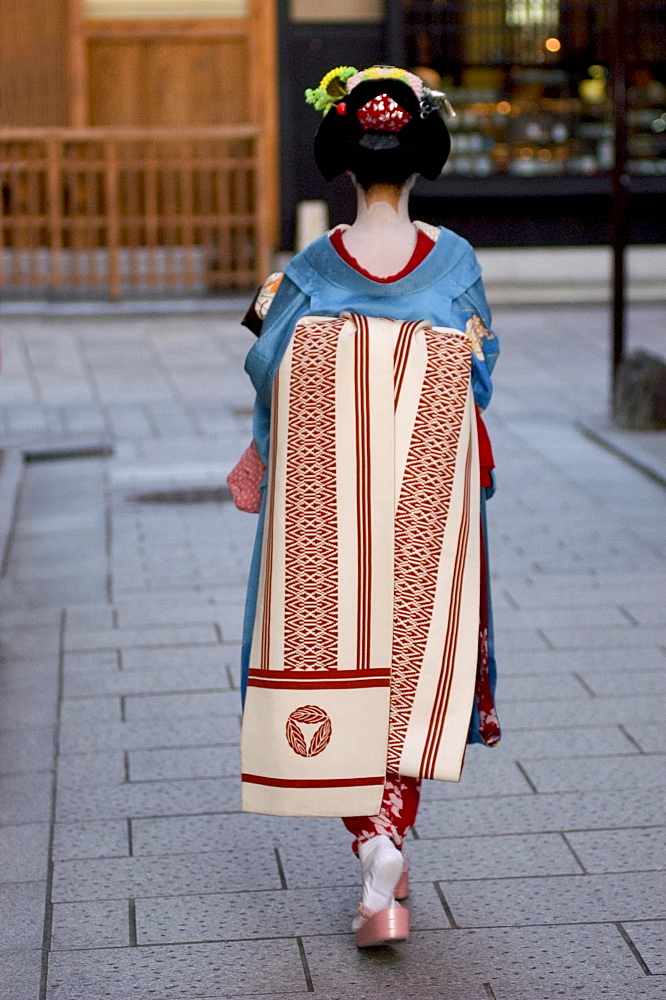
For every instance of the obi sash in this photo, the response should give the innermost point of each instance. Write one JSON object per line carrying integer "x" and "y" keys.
{"x": 365, "y": 640}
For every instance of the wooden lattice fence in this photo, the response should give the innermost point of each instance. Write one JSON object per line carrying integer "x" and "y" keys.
{"x": 132, "y": 211}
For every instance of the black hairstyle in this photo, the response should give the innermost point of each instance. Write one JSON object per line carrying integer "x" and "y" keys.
{"x": 422, "y": 146}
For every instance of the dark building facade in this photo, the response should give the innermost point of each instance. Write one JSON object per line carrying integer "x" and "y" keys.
{"x": 532, "y": 142}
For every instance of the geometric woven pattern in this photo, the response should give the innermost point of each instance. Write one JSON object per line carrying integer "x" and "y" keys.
{"x": 311, "y": 533}
{"x": 420, "y": 523}
{"x": 368, "y": 614}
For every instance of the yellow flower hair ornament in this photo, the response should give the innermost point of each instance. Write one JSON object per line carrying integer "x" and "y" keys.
{"x": 332, "y": 88}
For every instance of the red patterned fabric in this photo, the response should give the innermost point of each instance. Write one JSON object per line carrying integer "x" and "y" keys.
{"x": 245, "y": 479}
{"x": 489, "y": 726}
{"x": 311, "y": 529}
{"x": 421, "y": 520}
{"x": 396, "y": 815}
{"x": 383, "y": 114}
{"x": 486, "y": 460}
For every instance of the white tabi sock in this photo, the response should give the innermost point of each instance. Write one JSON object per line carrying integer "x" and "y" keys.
{"x": 381, "y": 868}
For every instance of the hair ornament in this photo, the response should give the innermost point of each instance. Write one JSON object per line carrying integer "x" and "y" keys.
{"x": 436, "y": 100}
{"x": 383, "y": 114}
{"x": 333, "y": 88}
{"x": 387, "y": 73}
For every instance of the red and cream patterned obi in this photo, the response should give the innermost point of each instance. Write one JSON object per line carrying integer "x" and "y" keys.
{"x": 365, "y": 642}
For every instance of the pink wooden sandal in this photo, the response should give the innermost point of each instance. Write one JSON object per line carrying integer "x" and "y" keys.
{"x": 388, "y": 925}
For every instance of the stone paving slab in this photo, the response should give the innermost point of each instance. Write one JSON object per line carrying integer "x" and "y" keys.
{"x": 486, "y": 773}
{"x": 25, "y": 750}
{"x": 620, "y": 850}
{"x": 577, "y": 953}
{"x": 555, "y": 988}
{"x": 21, "y": 915}
{"x": 482, "y": 857}
{"x": 593, "y": 810}
{"x": 526, "y": 687}
{"x": 651, "y": 738}
{"x": 93, "y": 839}
{"x": 182, "y": 834}
{"x": 562, "y": 899}
{"x": 20, "y": 974}
{"x": 222, "y": 654}
{"x": 282, "y": 913}
{"x": 581, "y": 741}
{"x": 153, "y": 798}
{"x": 191, "y": 675}
{"x": 243, "y": 870}
{"x": 558, "y": 661}
{"x": 150, "y": 733}
{"x": 606, "y": 614}
{"x": 187, "y": 762}
{"x": 636, "y": 682}
{"x": 190, "y": 705}
{"x": 87, "y": 924}
{"x": 649, "y": 936}
{"x": 598, "y": 772}
{"x": 184, "y": 635}
{"x": 629, "y": 710}
{"x": 35, "y": 711}
{"x": 181, "y": 972}
{"x": 606, "y": 638}
{"x": 24, "y": 852}
{"x": 26, "y": 798}
{"x": 77, "y": 711}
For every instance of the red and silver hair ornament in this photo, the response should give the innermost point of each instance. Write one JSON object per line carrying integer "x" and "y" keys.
{"x": 383, "y": 114}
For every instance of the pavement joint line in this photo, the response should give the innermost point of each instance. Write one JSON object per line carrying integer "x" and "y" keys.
{"x": 445, "y": 905}
{"x": 632, "y": 947}
{"x": 131, "y": 914}
{"x": 630, "y": 738}
{"x": 526, "y": 777}
{"x": 633, "y": 455}
{"x": 48, "y": 902}
{"x": 583, "y": 684}
{"x": 574, "y": 853}
{"x": 280, "y": 868}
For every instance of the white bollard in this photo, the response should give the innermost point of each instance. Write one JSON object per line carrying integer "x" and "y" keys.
{"x": 311, "y": 222}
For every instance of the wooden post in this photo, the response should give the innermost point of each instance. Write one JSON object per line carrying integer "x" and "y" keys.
{"x": 264, "y": 111}
{"x": 619, "y": 234}
{"x": 112, "y": 227}
{"x": 77, "y": 67}
{"x": 54, "y": 156}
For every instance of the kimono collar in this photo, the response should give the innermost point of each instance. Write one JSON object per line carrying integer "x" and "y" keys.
{"x": 451, "y": 258}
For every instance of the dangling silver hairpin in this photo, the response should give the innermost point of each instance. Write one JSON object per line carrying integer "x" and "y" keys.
{"x": 435, "y": 99}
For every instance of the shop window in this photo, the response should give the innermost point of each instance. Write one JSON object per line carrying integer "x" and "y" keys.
{"x": 337, "y": 11}
{"x": 543, "y": 12}
{"x": 530, "y": 82}
{"x": 130, "y": 9}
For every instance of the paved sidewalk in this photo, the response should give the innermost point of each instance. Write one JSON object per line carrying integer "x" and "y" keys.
{"x": 126, "y": 868}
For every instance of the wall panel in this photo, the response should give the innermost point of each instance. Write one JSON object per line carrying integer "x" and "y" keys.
{"x": 33, "y": 75}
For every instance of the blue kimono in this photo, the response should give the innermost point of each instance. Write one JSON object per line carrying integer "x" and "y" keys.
{"x": 445, "y": 289}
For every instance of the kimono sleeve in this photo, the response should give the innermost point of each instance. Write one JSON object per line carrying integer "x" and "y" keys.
{"x": 264, "y": 357}
{"x": 470, "y": 312}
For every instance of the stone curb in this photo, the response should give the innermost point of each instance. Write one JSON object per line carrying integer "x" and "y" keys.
{"x": 620, "y": 443}
{"x": 11, "y": 472}
{"x": 13, "y": 454}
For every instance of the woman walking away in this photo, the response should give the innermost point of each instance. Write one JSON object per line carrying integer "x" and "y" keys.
{"x": 368, "y": 646}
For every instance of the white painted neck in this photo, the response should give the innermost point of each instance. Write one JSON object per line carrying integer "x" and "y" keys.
{"x": 383, "y": 238}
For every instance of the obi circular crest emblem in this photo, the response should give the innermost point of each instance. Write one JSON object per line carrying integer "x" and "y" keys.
{"x": 308, "y": 715}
